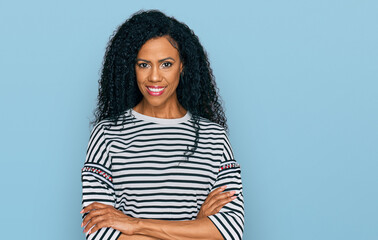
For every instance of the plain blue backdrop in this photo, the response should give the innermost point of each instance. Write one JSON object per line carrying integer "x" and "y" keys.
{"x": 300, "y": 84}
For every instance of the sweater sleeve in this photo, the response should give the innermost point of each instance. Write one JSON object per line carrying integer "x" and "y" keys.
{"x": 230, "y": 219}
{"x": 97, "y": 181}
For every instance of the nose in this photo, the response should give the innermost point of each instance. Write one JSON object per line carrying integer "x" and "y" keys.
{"x": 155, "y": 75}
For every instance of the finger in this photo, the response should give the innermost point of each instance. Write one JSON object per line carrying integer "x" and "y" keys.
{"x": 89, "y": 207}
{"x": 216, "y": 203}
{"x": 216, "y": 191}
{"x": 220, "y": 195}
{"x": 222, "y": 204}
{"x": 220, "y": 199}
{"x": 217, "y": 207}
{"x": 101, "y": 223}
{"x": 231, "y": 193}
{"x": 89, "y": 226}
{"x": 96, "y": 221}
{"x": 208, "y": 206}
{"x": 92, "y": 214}
{"x": 94, "y": 205}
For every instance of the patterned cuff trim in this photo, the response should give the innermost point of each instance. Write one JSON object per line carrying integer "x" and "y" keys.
{"x": 228, "y": 166}
{"x": 99, "y": 172}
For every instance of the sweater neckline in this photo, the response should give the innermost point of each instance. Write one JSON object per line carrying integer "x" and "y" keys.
{"x": 137, "y": 115}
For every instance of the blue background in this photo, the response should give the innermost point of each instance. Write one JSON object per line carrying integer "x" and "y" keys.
{"x": 300, "y": 84}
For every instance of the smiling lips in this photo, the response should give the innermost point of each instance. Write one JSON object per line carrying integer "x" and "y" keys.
{"x": 155, "y": 90}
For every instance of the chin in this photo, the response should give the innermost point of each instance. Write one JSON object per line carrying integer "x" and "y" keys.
{"x": 154, "y": 102}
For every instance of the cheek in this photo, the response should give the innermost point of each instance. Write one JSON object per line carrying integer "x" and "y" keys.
{"x": 174, "y": 77}
{"x": 139, "y": 77}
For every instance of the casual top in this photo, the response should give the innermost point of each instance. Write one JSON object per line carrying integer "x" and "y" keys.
{"x": 139, "y": 166}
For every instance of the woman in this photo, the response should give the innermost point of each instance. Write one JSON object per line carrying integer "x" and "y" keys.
{"x": 159, "y": 160}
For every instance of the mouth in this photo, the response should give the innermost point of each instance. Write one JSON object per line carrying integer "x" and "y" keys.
{"x": 155, "y": 90}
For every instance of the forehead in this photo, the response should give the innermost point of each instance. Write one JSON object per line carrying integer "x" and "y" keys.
{"x": 157, "y": 48}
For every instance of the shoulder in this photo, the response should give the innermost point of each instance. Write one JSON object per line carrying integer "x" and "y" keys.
{"x": 218, "y": 133}
{"x": 212, "y": 132}
{"x": 110, "y": 124}
{"x": 207, "y": 125}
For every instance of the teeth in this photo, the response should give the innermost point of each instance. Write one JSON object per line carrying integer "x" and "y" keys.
{"x": 156, "y": 89}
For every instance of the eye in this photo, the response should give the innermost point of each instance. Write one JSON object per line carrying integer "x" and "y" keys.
{"x": 142, "y": 65}
{"x": 166, "y": 64}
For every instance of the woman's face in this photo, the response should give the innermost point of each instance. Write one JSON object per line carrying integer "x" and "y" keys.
{"x": 158, "y": 67}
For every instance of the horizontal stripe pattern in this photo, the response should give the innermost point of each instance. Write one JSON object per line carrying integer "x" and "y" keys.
{"x": 150, "y": 175}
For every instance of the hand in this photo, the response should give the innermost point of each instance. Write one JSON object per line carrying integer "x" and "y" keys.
{"x": 102, "y": 215}
{"x": 136, "y": 237}
{"x": 215, "y": 201}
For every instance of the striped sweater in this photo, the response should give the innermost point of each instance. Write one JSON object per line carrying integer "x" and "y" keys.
{"x": 139, "y": 166}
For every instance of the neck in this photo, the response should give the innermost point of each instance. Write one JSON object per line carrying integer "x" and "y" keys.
{"x": 168, "y": 111}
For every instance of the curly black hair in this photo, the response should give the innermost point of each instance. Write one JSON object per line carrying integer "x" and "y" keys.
{"x": 118, "y": 91}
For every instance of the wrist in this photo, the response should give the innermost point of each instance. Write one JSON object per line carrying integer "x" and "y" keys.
{"x": 138, "y": 226}
{"x": 148, "y": 227}
{"x": 127, "y": 225}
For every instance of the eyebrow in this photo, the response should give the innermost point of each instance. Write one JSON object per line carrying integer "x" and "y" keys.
{"x": 161, "y": 60}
